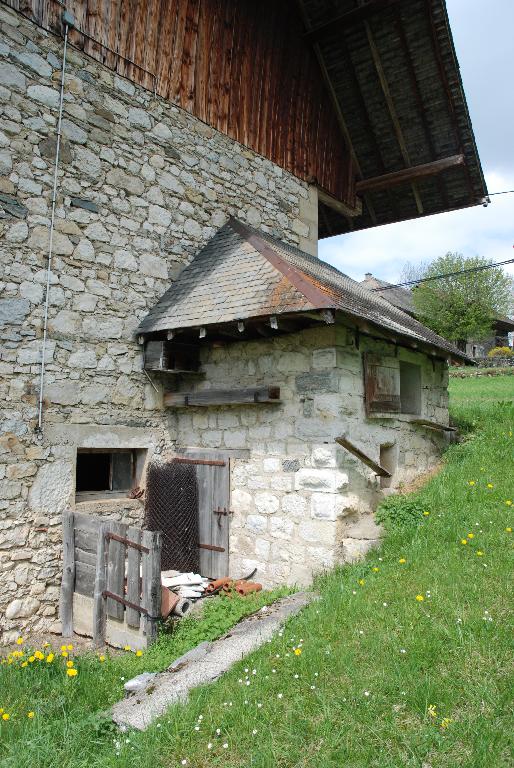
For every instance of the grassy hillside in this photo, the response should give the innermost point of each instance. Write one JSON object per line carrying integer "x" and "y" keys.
{"x": 405, "y": 661}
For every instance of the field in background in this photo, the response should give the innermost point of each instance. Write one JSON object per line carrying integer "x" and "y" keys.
{"x": 405, "y": 661}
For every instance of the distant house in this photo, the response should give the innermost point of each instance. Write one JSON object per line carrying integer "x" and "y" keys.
{"x": 501, "y": 335}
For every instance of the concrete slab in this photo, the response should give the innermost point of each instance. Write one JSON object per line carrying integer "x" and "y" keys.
{"x": 139, "y": 711}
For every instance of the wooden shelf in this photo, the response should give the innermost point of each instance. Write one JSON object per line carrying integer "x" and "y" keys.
{"x": 210, "y": 397}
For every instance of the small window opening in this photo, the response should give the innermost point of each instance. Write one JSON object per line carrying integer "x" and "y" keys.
{"x": 107, "y": 473}
{"x": 389, "y": 461}
{"x": 410, "y": 388}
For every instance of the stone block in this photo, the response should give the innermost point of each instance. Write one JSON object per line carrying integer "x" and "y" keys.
{"x": 353, "y": 550}
{"x": 22, "y": 609}
{"x": 271, "y": 464}
{"x": 309, "y": 383}
{"x": 317, "y": 531}
{"x": 235, "y": 438}
{"x": 321, "y": 480}
{"x": 295, "y": 505}
{"x": 17, "y": 233}
{"x": 281, "y": 528}
{"x": 153, "y": 266}
{"x": 241, "y": 501}
{"x": 266, "y": 503}
{"x": 121, "y": 180}
{"x": 256, "y": 524}
{"x": 62, "y": 392}
{"x": 40, "y": 239}
{"x": 324, "y": 358}
{"x": 13, "y": 311}
{"x": 103, "y": 327}
{"x": 323, "y": 506}
{"x": 44, "y": 95}
{"x": 52, "y": 488}
{"x": 82, "y": 359}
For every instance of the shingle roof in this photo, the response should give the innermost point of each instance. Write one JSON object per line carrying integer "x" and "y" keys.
{"x": 242, "y": 273}
{"x": 400, "y": 297}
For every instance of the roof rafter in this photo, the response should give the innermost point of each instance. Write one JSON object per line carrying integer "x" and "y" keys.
{"x": 361, "y": 13}
{"x": 392, "y": 109}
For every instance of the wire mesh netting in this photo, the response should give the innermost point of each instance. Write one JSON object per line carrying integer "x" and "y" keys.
{"x": 171, "y": 506}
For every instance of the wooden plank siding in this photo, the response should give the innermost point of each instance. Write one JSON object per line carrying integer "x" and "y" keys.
{"x": 242, "y": 68}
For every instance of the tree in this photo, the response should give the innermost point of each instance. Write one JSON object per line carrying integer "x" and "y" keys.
{"x": 463, "y": 306}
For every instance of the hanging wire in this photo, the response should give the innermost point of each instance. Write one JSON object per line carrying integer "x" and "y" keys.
{"x": 441, "y": 276}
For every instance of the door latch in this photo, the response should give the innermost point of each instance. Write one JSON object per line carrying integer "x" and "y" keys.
{"x": 222, "y": 513}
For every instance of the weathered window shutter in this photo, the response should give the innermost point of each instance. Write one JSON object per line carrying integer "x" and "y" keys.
{"x": 381, "y": 384}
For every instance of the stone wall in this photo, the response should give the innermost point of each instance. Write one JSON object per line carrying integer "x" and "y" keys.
{"x": 142, "y": 186}
{"x": 301, "y": 503}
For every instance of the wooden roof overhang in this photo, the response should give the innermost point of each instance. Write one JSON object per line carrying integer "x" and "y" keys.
{"x": 393, "y": 77}
{"x": 271, "y": 326}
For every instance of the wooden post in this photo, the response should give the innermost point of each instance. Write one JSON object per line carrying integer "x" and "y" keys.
{"x": 152, "y": 581}
{"x": 133, "y": 578}
{"x": 99, "y": 606}
{"x": 68, "y": 573}
{"x": 116, "y": 571}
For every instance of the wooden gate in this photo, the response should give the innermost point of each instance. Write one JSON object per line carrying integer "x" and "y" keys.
{"x": 111, "y": 586}
{"x": 213, "y": 479}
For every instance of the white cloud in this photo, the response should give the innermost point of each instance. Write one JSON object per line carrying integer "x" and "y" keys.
{"x": 488, "y": 232}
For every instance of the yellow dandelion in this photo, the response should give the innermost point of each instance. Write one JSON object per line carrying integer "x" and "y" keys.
{"x": 25, "y": 664}
{"x": 69, "y": 647}
{"x": 50, "y": 658}
{"x": 361, "y": 582}
{"x": 126, "y": 648}
{"x": 32, "y": 658}
{"x": 64, "y": 654}
{"x": 297, "y": 651}
{"x": 375, "y": 570}
{"x": 101, "y": 658}
{"x": 30, "y": 715}
{"x": 490, "y": 485}
{"x": 463, "y": 541}
{"x": 71, "y": 672}
{"x": 6, "y": 716}
{"x": 19, "y": 641}
{"x": 508, "y": 530}
{"x": 479, "y": 553}
{"x": 69, "y": 664}
{"x": 509, "y": 502}
{"x": 432, "y": 710}
{"x": 139, "y": 653}
{"x": 63, "y": 647}
{"x": 471, "y": 482}
{"x": 39, "y": 656}
{"x": 1, "y": 710}
{"x": 426, "y": 514}
{"x": 445, "y": 722}
{"x": 419, "y": 598}
{"x": 402, "y": 560}
{"x": 45, "y": 645}
{"x": 471, "y": 535}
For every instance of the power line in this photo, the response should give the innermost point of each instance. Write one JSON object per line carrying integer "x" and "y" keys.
{"x": 440, "y": 277}
{"x": 506, "y": 192}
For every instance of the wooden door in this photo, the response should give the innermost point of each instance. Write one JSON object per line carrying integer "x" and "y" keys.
{"x": 213, "y": 478}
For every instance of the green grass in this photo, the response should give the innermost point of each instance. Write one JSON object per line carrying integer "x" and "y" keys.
{"x": 451, "y": 651}
{"x": 480, "y": 390}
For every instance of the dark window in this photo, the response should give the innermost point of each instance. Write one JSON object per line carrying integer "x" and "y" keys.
{"x": 109, "y": 473}
{"x": 410, "y": 388}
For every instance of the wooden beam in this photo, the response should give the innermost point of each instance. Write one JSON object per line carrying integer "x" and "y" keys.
{"x": 367, "y": 460}
{"x": 407, "y": 175}
{"x": 433, "y": 425}
{"x": 211, "y": 397}
{"x": 337, "y": 205}
{"x": 348, "y": 18}
{"x": 392, "y": 109}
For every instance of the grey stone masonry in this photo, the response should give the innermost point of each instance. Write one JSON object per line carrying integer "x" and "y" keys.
{"x": 142, "y": 186}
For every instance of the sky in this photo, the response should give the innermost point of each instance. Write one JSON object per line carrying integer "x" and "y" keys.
{"x": 482, "y": 33}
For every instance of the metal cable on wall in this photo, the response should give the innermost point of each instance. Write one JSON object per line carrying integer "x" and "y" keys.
{"x": 171, "y": 506}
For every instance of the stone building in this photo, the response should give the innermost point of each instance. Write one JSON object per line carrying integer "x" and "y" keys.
{"x": 163, "y": 155}
{"x": 501, "y": 331}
